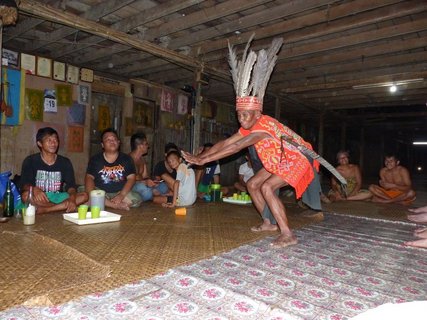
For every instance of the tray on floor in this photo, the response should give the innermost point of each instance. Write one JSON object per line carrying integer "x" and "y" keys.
{"x": 235, "y": 201}
{"x": 105, "y": 216}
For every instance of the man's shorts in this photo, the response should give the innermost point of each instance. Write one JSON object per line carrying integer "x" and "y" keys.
{"x": 57, "y": 197}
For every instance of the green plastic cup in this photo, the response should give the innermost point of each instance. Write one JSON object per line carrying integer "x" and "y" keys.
{"x": 82, "y": 211}
{"x": 95, "y": 212}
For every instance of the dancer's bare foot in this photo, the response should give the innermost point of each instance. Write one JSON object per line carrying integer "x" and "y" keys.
{"x": 422, "y": 243}
{"x": 283, "y": 241}
{"x": 421, "y": 233}
{"x": 265, "y": 227}
{"x": 419, "y": 217}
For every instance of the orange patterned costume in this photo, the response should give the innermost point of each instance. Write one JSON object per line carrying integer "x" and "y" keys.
{"x": 289, "y": 164}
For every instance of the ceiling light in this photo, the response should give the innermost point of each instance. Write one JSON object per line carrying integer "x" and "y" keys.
{"x": 393, "y": 89}
{"x": 387, "y": 84}
{"x": 420, "y": 143}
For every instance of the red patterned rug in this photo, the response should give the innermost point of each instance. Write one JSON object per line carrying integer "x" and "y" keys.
{"x": 340, "y": 268}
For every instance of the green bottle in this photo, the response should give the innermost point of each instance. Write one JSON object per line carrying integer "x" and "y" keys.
{"x": 8, "y": 202}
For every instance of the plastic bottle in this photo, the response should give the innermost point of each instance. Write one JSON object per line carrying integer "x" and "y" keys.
{"x": 8, "y": 202}
{"x": 30, "y": 211}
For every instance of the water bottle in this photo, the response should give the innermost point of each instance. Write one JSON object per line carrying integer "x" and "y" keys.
{"x": 8, "y": 202}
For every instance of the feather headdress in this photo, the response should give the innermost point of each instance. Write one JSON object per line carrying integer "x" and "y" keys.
{"x": 252, "y": 73}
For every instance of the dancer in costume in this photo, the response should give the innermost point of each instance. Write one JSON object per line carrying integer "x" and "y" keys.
{"x": 283, "y": 164}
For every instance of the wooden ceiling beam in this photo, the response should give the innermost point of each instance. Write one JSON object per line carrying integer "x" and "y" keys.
{"x": 132, "y": 22}
{"x": 199, "y": 17}
{"x": 326, "y": 18}
{"x": 49, "y": 13}
{"x": 401, "y": 59}
{"x": 363, "y": 77}
{"x": 94, "y": 13}
{"x": 311, "y": 32}
{"x": 203, "y": 37}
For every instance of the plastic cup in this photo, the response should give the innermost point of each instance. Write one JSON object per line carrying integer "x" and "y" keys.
{"x": 95, "y": 212}
{"x": 82, "y": 211}
{"x": 29, "y": 220}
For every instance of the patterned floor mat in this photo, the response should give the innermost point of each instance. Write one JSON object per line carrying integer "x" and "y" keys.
{"x": 340, "y": 268}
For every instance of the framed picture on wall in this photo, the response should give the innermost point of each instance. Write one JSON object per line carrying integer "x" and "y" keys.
{"x": 86, "y": 75}
{"x": 143, "y": 113}
{"x": 59, "y": 71}
{"x": 72, "y": 74}
{"x": 11, "y": 58}
{"x": 44, "y": 67}
{"x": 28, "y": 63}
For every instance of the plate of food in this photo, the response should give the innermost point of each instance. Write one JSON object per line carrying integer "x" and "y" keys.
{"x": 105, "y": 216}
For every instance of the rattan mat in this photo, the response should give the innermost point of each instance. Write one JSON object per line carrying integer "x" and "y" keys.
{"x": 59, "y": 261}
{"x": 34, "y": 266}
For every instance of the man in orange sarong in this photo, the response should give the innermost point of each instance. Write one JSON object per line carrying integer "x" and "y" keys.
{"x": 283, "y": 163}
{"x": 395, "y": 184}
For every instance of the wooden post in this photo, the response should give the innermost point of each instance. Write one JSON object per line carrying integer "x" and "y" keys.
{"x": 321, "y": 137}
{"x": 277, "y": 109}
{"x": 343, "y": 135}
{"x": 321, "y": 133}
{"x": 362, "y": 147}
{"x": 195, "y": 134}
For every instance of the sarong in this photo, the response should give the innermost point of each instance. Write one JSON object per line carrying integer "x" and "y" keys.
{"x": 281, "y": 158}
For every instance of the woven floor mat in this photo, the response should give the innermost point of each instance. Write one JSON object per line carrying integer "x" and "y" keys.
{"x": 147, "y": 241}
{"x": 340, "y": 267}
{"x": 38, "y": 266}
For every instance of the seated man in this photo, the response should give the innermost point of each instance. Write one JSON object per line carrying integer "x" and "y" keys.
{"x": 395, "y": 184}
{"x": 51, "y": 175}
{"x": 183, "y": 187}
{"x": 245, "y": 173}
{"x": 145, "y": 186}
{"x": 162, "y": 171}
{"x": 353, "y": 176}
{"x": 208, "y": 174}
{"x": 114, "y": 172}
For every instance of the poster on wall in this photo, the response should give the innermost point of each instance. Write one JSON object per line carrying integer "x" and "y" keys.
{"x": 34, "y": 104}
{"x": 49, "y": 104}
{"x": 11, "y": 58}
{"x": 75, "y": 139}
{"x": 84, "y": 94}
{"x": 182, "y": 104}
{"x": 166, "y": 102}
{"x": 143, "y": 113}
{"x": 76, "y": 114}
{"x": 11, "y": 112}
{"x": 64, "y": 93}
{"x": 104, "y": 118}
{"x": 128, "y": 126}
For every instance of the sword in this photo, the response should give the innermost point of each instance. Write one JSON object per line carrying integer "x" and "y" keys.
{"x": 313, "y": 155}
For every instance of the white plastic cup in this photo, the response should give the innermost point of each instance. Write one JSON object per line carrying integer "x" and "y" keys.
{"x": 29, "y": 220}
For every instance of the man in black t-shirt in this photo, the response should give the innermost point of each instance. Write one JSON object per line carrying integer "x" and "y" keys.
{"x": 51, "y": 176}
{"x": 114, "y": 172}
